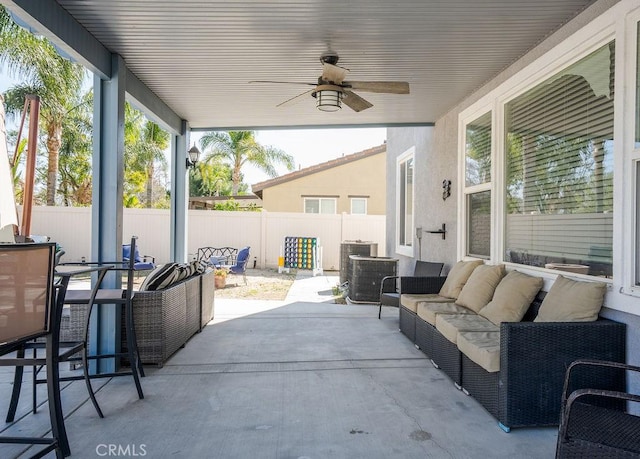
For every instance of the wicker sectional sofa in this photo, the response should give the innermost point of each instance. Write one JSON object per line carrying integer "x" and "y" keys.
{"x": 165, "y": 319}
{"x": 514, "y": 369}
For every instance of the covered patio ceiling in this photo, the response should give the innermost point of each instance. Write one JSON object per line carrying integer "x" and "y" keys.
{"x": 200, "y": 56}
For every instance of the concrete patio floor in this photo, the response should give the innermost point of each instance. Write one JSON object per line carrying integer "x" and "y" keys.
{"x": 300, "y": 378}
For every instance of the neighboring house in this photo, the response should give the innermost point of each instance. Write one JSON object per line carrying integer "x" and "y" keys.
{"x": 354, "y": 184}
{"x": 544, "y": 162}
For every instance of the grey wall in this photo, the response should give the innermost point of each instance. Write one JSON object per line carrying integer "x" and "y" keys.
{"x": 436, "y": 159}
{"x": 633, "y": 337}
{"x": 432, "y": 165}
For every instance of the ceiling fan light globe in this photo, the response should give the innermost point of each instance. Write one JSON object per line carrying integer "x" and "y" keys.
{"x": 328, "y": 100}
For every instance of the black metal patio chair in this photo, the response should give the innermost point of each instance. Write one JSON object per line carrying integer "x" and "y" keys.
{"x": 391, "y": 287}
{"x": 598, "y": 423}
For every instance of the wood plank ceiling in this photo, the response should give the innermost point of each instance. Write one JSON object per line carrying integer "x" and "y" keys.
{"x": 199, "y": 56}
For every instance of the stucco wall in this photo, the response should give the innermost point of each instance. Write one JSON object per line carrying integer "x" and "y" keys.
{"x": 432, "y": 165}
{"x": 437, "y": 156}
{"x": 436, "y": 159}
{"x": 364, "y": 177}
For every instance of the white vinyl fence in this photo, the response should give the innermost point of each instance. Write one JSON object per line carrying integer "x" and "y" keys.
{"x": 263, "y": 231}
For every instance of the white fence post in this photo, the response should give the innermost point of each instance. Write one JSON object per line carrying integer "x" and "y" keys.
{"x": 263, "y": 239}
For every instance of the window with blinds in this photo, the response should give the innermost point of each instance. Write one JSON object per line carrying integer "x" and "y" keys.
{"x": 559, "y": 176}
{"x": 478, "y": 186}
{"x": 479, "y": 224}
{"x": 319, "y": 205}
{"x": 358, "y": 206}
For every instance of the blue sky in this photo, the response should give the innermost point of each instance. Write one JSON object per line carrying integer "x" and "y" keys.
{"x": 314, "y": 146}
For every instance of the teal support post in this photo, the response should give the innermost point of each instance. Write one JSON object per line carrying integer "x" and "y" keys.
{"x": 106, "y": 218}
{"x": 179, "y": 196}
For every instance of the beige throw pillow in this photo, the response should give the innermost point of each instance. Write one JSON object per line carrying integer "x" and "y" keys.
{"x": 572, "y": 301}
{"x": 512, "y": 298}
{"x": 457, "y": 277}
{"x": 478, "y": 290}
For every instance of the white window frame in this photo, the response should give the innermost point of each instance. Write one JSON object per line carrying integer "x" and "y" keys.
{"x": 366, "y": 207}
{"x": 576, "y": 52}
{"x": 465, "y": 191}
{"x": 407, "y": 250}
{"x": 630, "y": 240}
{"x": 618, "y": 23}
{"x": 319, "y": 199}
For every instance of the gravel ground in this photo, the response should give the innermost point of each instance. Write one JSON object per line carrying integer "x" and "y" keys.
{"x": 262, "y": 284}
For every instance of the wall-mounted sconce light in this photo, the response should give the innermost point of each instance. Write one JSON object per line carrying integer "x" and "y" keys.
{"x": 192, "y": 156}
{"x": 446, "y": 189}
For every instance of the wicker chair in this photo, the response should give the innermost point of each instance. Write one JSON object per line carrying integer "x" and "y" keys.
{"x": 392, "y": 287}
{"x": 598, "y": 423}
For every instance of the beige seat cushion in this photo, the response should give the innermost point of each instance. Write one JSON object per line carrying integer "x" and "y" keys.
{"x": 572, "y": 301}
{"x": 480, "y": 286}
{"x": 482, "y": 348}
{"x": 457, "y": 277}
{"x": 429, "y": 311}
{"x": 411, "y": 300}
{"x": 512, "y": 298}
{"x": 449, "y": 325}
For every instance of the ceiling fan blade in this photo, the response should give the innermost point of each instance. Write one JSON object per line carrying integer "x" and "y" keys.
{"x": 333, "y": 74}
{"x": 355, "y": 102}
{"x": 283, "y": 82}
{"x": 295, "y": 99}
{"x": 388, "y": 87}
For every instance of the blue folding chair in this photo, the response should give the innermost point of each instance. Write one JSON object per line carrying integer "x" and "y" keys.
{"x": 139, "y": 263}
{"x": 241, "y": 263}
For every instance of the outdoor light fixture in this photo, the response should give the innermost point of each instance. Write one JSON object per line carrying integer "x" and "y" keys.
{"x": 193, "y": 155}
{"x": 328, "y": 97}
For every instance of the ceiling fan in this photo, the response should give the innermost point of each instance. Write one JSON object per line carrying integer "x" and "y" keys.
{"x": 332, "y": 89}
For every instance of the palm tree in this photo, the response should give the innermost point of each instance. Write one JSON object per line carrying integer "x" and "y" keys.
{"x": 238, "y": 148}
{"x": 75, "y": 182}
{"x": 158, "y": 140}
{"x": 56, "y": 80}
{"x": 150, "y": 150}
{"x": 210, "y": 178}
{"x": 15, "y": 164}
{"x": 145, "y": 143}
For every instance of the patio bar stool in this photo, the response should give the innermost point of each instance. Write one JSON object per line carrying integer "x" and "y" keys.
{"x": 122, "y": 297}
